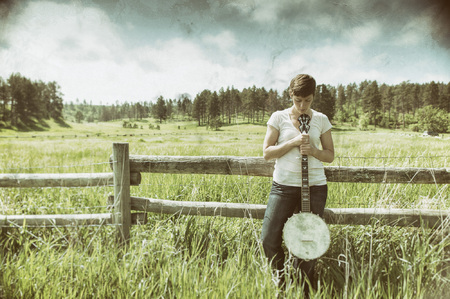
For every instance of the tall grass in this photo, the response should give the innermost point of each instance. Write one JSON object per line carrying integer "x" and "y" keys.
{"x": 177, "y": 256}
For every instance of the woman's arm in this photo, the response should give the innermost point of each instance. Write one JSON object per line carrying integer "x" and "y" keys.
{"x": 272, "y": 150}
{"x": 327, "y": 152}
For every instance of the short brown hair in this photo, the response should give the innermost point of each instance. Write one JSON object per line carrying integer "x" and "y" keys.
{"x": 303, "y": 85}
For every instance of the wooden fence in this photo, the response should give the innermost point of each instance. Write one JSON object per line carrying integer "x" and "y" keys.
{"x": 127, "y": 171}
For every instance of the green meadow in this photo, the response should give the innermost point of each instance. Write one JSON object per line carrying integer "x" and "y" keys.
{"x": 177, "y": 256}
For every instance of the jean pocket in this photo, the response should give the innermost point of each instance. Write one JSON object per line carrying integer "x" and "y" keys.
{"x": 285, "y": 191}
{"x": 276, "y": 188}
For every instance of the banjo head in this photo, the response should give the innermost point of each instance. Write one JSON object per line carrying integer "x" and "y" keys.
{"x": 306, "y": 236}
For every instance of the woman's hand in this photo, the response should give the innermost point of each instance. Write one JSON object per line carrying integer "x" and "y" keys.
{"x": 272, "y": 150}
{"x": 305, "y": 146}
{"x": 299, "y": 140}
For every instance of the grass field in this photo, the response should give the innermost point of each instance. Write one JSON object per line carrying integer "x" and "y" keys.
{"x": 211, "y": 257}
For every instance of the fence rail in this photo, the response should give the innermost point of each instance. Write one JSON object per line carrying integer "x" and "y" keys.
{"x": 127, "y": 171}
{"x": 65, "y": 220}
{"x": 55, "y": 220}
{"x": 347, "y": 216}
{"x": 42, "y": 180}
{"x": 257, "y": 166}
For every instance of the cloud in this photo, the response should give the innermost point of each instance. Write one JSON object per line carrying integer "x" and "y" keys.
{"x": 224, "y": 40}
{"x": 81, "y": 49}
{"x": 9, "y": 8}
{"x": 129, "y": 50}
{"x": 310, "y": 16}
{"x": 365, "y": 34}
{"x": 439, "y": 14}
{"x": 180, "y": 65}
{"x": 76, "y": 46}
{"x": 412, "y": 33}
{"x": 329, "y": 63}
{"x": 46, "y": 34}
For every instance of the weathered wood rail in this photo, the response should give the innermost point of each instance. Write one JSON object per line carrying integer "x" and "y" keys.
{"x": 344, "y": 216}
{"x": 43, "y": 180}
{"x": 70, "y": 220}
{"x": 257, "y": 166}
{"x": 127, "y": 171}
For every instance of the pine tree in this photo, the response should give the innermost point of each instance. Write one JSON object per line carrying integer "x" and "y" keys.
{"x": 372, "y": 102}
{"x": 324, "y": 101}
{"x": 431, "y": 94}
{"x": 160, "y": 109}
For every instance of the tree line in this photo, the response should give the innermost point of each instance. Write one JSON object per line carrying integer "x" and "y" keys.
{"x": 24, "y": 102}
{"x": 405, "y": 105}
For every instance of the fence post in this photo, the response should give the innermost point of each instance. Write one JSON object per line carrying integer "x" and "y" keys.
{"x": 122, "y": 212}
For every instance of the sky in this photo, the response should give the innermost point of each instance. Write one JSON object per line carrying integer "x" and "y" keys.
{"x": 109, "y": 51}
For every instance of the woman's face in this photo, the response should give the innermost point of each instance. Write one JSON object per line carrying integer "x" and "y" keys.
{"x": 302, "y": 104}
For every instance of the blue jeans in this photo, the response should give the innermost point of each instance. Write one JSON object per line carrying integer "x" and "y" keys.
{"x": 283, "y": 202}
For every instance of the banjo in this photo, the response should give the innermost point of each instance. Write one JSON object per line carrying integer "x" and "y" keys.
{"x": 305, "y": 234}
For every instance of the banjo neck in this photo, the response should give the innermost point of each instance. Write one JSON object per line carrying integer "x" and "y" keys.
{"x": 304, "y": 120}
{"x": 306, "y": 202}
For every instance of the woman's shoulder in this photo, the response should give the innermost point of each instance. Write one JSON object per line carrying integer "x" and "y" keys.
{"x": 319, "y": 114}
{"x": 281, "y": 112}
{"x": 322, "y": 121}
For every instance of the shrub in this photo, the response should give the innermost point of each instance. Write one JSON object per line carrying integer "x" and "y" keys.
{"x": 363, "y": 123}
{"x": 433, "y": 119}
{"x": 215, "y": 123}
{"x": 414, "y": 128}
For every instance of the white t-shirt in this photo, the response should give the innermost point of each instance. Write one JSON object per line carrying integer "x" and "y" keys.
{"x": 288, "y": 167}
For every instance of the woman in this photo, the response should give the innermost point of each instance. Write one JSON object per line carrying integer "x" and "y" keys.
{"x": 285, "y": 143}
